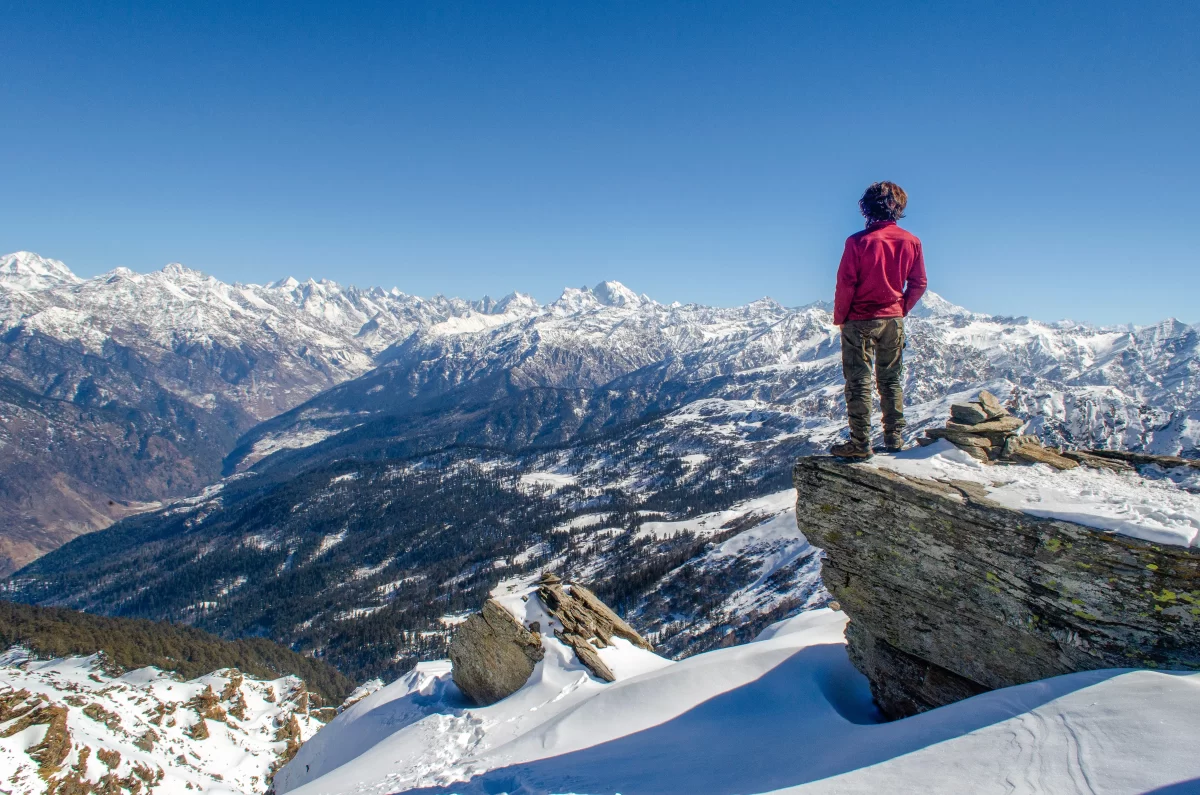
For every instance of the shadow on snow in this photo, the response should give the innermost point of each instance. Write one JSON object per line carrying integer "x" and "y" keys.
{"x": 809, "y": 718}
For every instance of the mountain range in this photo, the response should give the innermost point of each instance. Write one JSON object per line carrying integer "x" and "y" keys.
{"x": 347, "y": 471}
{"x": 124, "y": 390}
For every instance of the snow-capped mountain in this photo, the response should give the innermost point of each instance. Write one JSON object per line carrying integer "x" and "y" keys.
{"x": 28, "y": 271}
{"x": 541, "y": 433}
{"x": 582, "y": 366}
{"x": 316, "y": 333}
{"x": 76, "y": 725}
{"x": 125, "y": 389}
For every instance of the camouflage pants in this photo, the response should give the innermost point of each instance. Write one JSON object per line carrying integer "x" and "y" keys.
{"x": 881, "y": 343}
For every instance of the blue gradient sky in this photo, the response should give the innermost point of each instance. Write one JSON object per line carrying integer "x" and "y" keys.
{"x": 697, "y": 151}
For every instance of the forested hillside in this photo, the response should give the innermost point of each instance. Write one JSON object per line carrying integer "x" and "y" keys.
{"x": 135, "y": 643}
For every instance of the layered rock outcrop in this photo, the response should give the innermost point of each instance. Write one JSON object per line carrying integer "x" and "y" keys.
{"x": 493, "y": 653}
{"x": 949, "y": 594}
{"x": 587, "y": 624}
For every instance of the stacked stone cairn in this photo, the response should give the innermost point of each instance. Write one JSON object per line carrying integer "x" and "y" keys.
{"x": 985, "y": 430}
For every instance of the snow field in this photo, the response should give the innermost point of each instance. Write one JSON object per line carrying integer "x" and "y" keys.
{"x": 114, "y": 714}
{"x": 786, "y": 713}
{"x": 1158, "y": 508}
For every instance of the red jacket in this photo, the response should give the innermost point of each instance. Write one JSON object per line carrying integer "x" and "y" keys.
{"x": 882, "y": 274}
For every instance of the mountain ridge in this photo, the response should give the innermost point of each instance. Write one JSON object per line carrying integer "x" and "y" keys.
{"x": 579, "y": 430}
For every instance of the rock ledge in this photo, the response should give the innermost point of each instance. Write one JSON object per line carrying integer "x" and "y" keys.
{"x": 950, "y": 594}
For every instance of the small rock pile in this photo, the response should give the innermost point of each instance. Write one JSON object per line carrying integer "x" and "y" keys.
{"x": 985, "y": 430}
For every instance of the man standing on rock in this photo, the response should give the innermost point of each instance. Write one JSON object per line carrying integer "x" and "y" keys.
{"x": 880, "y": 279}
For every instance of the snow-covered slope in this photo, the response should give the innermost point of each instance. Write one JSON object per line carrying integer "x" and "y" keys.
{"x": 785, "y": 713}
{"x": 24, "y": 270}
{"x": 319, "y": 332}
{"x": 73, "y": 725}
{"x": 626, "y": 411}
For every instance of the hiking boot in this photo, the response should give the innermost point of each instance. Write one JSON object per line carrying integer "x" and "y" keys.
{"x": 893, "y": 441}
{"x": 851, "y": 449}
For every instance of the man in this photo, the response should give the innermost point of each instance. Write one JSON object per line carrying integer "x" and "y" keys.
{"x": 880, "y": 279}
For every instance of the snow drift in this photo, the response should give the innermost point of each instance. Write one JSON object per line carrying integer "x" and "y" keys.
{"x": 785, "y": 713}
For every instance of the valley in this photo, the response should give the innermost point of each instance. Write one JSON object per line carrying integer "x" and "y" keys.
{"x": 366, "y": 476}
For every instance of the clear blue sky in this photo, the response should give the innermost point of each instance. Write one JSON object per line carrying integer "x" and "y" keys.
{"x": 697, "y": 151}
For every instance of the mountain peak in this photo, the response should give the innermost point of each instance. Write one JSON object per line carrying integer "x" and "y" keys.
{"x": 177, "y": 270}
{"x": 514, "y": 302}
{"x": 31, "y": 271}
{"x": 933, "y": 305}
{"x": 607, "y": 293}
{"x": 612, "y": 293}
{"x": 288, "y": 284}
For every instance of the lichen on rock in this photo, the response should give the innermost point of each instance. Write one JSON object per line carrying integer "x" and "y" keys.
{"x": 949, "y": 594}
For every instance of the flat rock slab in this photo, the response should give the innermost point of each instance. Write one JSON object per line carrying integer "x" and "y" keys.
{"x": 1099, "y": 462}
{"x": 1037, "y": 453}
{"x": 950, "y": 594}
{"x": 1144, "y": 459}
{"x": 968, "y": 413}
{"x": 991, "y": 405}
{"x": 960, "y": 438}
{"x": 1001, "y": 424}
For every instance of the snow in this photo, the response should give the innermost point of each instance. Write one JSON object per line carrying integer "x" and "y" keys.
{"x": 551, "y": 480}
{"x": 471, "y": 323}
{"x": 774, "y": 371}
{"x": 28, "y": 271}
{"x": 1160, "y": 510}
{"x": 237, "y": 756}
{"x": 296, "y": 440}
{"x": 786, "y": 713}
{"x": 530, "y": 553}
{"x": 777, "y": 505}
{"x": 330, "y": 541}
{"x": 616, "y": 294}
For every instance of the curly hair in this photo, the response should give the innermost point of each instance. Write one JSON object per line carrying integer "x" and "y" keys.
{"x": 883, "y": 201}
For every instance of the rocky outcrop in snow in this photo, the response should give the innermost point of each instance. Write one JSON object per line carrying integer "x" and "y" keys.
{"x": 785, "y": 713}
{"x": 76, "y": 726}
{"x": 494, "y": 654}
{"x": 585, "y": 623}
{"x": 950, "y": 593}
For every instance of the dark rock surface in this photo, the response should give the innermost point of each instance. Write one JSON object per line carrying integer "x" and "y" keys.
{"x": 950, "y": 594}
{"x": 969, "y": 413}
{"x": 493, "y": 654}
{"x": 1145, "y": 459}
